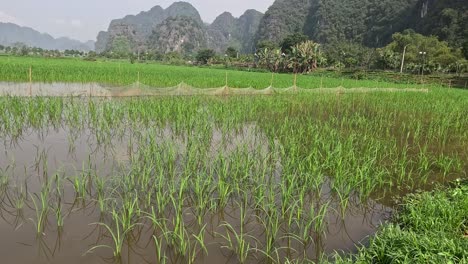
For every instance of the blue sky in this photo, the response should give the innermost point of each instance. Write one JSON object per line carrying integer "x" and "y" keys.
{"x": 83, "y": 19}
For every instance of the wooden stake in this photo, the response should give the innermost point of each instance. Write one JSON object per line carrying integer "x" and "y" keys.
{"x": 30, "y": 81}
{"x": 120, "y": 74}
{"x": 321, "y": 82}
{"x": 226, "y": 80}
{"x": 138, "y": 83}
{"x": 295, "y": 80}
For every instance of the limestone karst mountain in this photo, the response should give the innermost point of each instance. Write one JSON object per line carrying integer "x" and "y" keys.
{"x": 179, "y": 28}
{"x": 369, "y": 22}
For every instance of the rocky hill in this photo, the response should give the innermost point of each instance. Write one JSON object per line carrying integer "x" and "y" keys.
{"x": 179, "y": 33}
{"x": 11, "y": 34}
{"x": 179, "y": 28}
{"x": 284, "y": 17}
{"x": 447, "y": 19}
{"x": 137, "y": 29}
{"x": 370, "y": 22}
{"x": 228, "y": 31}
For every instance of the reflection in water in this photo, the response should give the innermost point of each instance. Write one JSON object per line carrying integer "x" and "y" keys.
{"x": 52, "y": 89}
{"x": 87, "y": 179}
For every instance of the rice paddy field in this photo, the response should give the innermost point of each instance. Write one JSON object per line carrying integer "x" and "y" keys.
{"x": 281, "y": 178}
{"x": 66, "y": 70}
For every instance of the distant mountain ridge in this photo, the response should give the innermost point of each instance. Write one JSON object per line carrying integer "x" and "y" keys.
{"x": 11, "y": 34}
{"x": 179, "y": 28}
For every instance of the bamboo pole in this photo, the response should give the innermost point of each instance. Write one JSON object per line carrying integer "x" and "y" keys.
{"x": 226, "y": 87}
{"x": 120, "y": 74}
{"x": 403, "y": 59}
{"x": 138, "y": 82}
{"x": 30, "y": 81}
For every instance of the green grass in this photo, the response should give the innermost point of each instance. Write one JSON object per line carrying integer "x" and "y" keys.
{"x": 430, "y": 227}
{"x": 123, "y": 73}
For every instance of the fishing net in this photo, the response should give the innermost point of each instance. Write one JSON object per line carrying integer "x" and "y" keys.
{"x": 183, "y": 89}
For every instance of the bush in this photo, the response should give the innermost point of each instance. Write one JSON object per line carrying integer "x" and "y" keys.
{"x": 203, "y": 56}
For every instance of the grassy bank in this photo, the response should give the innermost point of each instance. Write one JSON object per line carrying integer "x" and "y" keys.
{"x": 430, "y": 227}
{"x": 123, "y": 73}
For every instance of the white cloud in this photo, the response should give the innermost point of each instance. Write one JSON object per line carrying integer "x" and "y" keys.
{"x": 76, "y": 23}
{"x": 4, "y": 17}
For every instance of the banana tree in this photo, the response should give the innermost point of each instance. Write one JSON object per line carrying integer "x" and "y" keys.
{"x": 274, "y": 60}
{"x": 305, "y": 57}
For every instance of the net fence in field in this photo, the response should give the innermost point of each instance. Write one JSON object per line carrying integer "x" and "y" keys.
{"x": 183, "y": 89}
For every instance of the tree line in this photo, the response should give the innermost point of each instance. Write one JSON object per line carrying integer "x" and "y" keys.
{"x": 408, "y": 52}
{"x": 20, "y": 49}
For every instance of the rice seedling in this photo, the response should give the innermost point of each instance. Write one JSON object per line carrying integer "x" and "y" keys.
{"x": 80, "y": 185}
{"x": 202, "y": 191}
{"x": 4, "y": 182}
{"x": 129, "y": 212}
{"x": 59, "y": 214}
{"x": 160, "y": 252}
{"x": 20, "y": 198}
{"x": 41, "y": 206}
{"x": 101, "y": 199}
{"x": 271, "y": 227}
{"x": 238, "y": 240}
{"x": 118, "y": 231}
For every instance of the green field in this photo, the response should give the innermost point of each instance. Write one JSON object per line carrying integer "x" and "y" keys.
{"x": 157, "y": 75}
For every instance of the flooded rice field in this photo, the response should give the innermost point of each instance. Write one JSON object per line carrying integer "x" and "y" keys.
{"x": 53, "y": 161}
{"x": 209, "y": 180}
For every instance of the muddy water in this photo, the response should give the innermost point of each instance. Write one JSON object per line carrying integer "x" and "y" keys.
{"x": 38, "y": 155}
{"x": 52, "y": 89}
